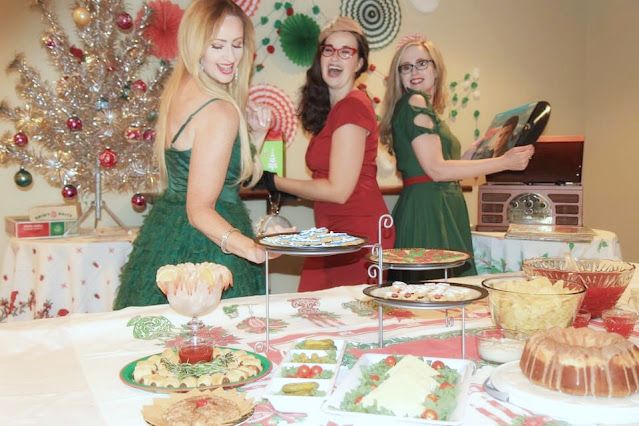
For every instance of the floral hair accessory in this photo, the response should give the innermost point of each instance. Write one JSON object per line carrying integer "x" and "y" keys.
{"x": 410, "y": 38}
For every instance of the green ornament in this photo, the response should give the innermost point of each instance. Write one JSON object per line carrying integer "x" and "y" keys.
{"x": 288, "y": 5}
{"x": 474, "y": 85}
{"x": 453, "y": 113}
{"x": 476, "y": 133}
{"x": 23, "y": 178}
{"x": 453, "y": 84}
{"x": 455, "y": 98}
{"x": 263, "y": 20}
{"x": 278, "y": 5}
{"x": 152, "y": 116}
{"x": 266, "y": 41}
{"x": 466, "y": 77}
{"x": 476, "y": 113}
{"x": 259, "y": 67}
{"x": 277, "y": 23}
{"x": 464, "y": 100}
{"x": 316, "y": 10}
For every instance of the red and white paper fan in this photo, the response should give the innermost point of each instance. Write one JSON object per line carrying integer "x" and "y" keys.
{"x": 248, "y": 6}
{"x": 282, "y": 107}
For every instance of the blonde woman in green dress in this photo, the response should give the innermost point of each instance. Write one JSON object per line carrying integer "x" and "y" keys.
{"x": 205, "y": 153}
{"x": 431, "y": 211}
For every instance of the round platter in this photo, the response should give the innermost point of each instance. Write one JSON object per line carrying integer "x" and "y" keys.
{"x": 420, "y": 258}
{"x": 375, "y": 291}
{"x": 269, "y": 244}
{"x": 126, "y": 375}
{"x": 518, "y": 390}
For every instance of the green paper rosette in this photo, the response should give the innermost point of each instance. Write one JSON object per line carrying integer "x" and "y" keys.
{"x": 298, "y": 37}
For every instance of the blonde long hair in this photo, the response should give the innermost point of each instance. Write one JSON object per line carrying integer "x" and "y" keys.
{"x": 201, "y": 20}
{"x": 395, "y": 90}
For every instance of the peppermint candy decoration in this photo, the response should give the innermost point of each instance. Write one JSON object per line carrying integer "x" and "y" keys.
{"x": 248, "y": 6}
{"x": 380, "y": 19}
{"x": 282, "y": 108}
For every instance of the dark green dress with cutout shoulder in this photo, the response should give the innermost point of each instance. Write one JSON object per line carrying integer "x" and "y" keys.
{"x": 167, "y": 237}
{"x": 430, "y": 214}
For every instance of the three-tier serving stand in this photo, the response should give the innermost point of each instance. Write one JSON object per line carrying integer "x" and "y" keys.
{"x": 375, "y": 271}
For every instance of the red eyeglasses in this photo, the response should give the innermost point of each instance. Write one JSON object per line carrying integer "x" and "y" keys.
{"x": 344, "y": 52}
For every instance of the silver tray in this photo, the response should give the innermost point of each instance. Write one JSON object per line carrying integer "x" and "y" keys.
{"x": 311, "y": 250}
{"x": 413, "y": 304}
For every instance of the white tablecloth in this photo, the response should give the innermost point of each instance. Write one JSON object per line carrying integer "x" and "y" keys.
{"x": 64, "y": 371}
{"x": 43, "y": 278}
{"x": 495, "y": 254}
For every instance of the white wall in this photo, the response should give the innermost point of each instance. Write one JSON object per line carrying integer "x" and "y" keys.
{"x": 578, "y": 55}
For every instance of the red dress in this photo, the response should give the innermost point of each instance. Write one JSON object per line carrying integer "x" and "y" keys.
{"x": 361, "y": 212}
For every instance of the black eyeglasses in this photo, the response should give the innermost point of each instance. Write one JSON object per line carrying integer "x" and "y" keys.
{"x": 421, "y": 64}
{"x": 344, "y": 52}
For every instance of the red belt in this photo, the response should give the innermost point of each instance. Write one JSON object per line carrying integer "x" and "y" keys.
{"x": 417, "y": 179}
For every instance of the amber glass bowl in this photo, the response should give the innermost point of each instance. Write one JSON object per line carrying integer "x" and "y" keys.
{"x": 605, "y": 280}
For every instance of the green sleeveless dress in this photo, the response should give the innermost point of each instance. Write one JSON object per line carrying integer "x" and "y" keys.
{"x": 167, "y": 237}
{"x": 428, "y": 214}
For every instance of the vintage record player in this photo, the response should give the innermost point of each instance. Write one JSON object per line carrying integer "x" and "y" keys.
{"x": 548, "y": 192}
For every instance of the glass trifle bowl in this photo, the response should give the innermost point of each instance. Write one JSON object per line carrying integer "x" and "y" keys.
{"x": 194, "y": 290}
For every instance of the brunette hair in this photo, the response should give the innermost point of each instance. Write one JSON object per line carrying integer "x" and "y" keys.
{"x": 315, "y": 104}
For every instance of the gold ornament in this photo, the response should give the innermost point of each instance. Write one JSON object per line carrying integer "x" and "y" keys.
{"x": 81, "y": 16}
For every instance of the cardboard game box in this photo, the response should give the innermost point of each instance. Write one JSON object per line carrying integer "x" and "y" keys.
{"x": 22, "y": 227}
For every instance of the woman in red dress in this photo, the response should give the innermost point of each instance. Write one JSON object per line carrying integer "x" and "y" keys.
{"x": 341, "y": 155}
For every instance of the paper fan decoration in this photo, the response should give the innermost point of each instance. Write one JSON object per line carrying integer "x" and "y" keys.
{"x": 162, "y": 28}
{"x": 248, "y": 6}
{"x": 380, "y": 19}
{"x": 298, "y": 37}
{"x": 282, "y": 107}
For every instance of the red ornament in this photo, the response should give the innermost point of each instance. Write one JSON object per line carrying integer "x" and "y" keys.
{"x": 376, "y": 100}
{"x": 124, "y": 21}
{"x": 20, "y": 139}
{"x": 362, "y": 86}
{"x": 133, "y": 133}
{"x": 50, "y": 43}
{"x": 138, "y": 202}
{"x": 74, "y": 124}
{"x": 289, "y": 11}
{"x": 138, "y": 86}
{"x": 108, "y": 158}
{"x": 77, "y": 52}
{"x": 270, "y": 49}
{"x": 69, "y": 192}
{"x": 149, "y": 135}
{"x": 372, "y": 67}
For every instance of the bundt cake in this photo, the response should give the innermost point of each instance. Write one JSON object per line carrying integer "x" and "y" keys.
{"x": 580, "y": 361}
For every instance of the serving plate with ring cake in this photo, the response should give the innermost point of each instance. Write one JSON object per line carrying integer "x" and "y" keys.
{"x": 312, "y": 242}
{"x": 507, "y": 383}
{"x": 439, "y": 295}
{"x": 420, "y": 258}
{"x": 164, "y": 373}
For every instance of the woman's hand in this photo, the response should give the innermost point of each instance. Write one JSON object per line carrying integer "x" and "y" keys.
{"x": 518, "y": 157}
{"x": 258, "y": 117}
{"x": 257, "y": 254}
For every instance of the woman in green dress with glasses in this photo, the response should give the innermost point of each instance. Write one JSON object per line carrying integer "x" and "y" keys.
{"x": 431, "y": 211}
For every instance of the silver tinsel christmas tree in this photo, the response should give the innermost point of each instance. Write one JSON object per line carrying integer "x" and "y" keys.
{"x": 101, "y": 111}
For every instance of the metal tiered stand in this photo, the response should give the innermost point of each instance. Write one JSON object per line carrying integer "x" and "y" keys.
{"x": 375, "y": 270}
{"x": 306, "y": 252}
